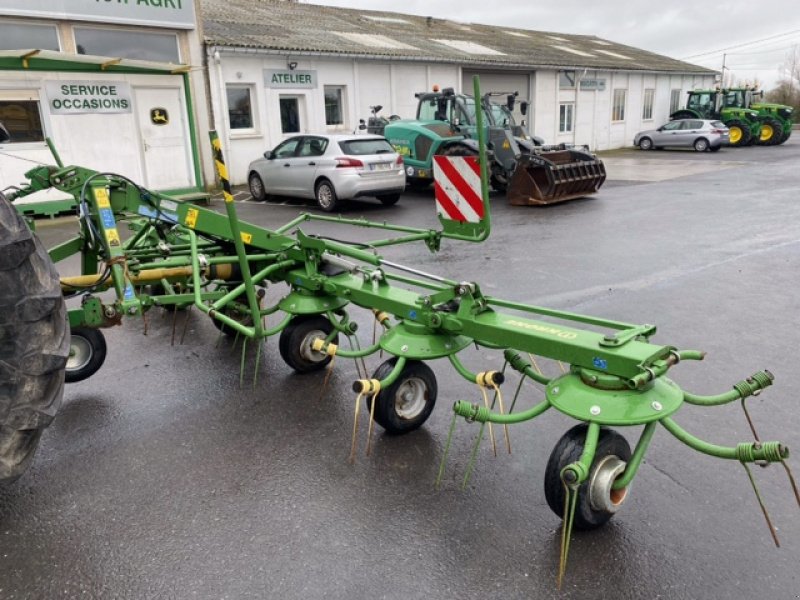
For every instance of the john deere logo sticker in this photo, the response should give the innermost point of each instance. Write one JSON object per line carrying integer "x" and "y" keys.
{"x": 159, "y": 116}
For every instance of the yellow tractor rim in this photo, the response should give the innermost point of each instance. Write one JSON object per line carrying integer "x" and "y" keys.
{"x": 735, "y": 134}
{"x": 766, "y": 132}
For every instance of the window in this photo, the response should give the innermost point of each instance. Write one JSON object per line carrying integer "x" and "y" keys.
{"x": 672, "y": 126}
{"x": 674, "y": 100}
{"x": 334, "y": 105}
{"x": 290, "y": 115}
{"x": 566, "y": 80}
{"x": 19, "y": 36}
{"x": 123, "y": 43}
{"x": 240, "y": 107}
{"x": 287, "y": 148}
{"x": 359, "y": 147}
{"x": 565, "y": 118}
{"x": 618, "y": 112}
{"x": 647, "y": 105}
{"x": 313, "y": 146}
{"x": 20, "y": 120}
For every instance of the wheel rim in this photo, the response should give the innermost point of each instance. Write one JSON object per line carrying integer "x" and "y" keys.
{"x": 410, "y": 398}
{"x": 735, "y": 134}
{"x": 256, "y": 187}
{"x": 645, "y": 144}
{"x": 80, "y": 353}
{"x": 602, "y": 495}
{"x": 766, "y": 133}
{"x": 325, "y": 195}
{"x": 306, "y": 349}
{"x": 701, "y": 145}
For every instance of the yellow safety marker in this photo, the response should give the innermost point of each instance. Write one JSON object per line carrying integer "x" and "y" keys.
{"x": 222, "y": 170}
{"x": 191, "y": 217}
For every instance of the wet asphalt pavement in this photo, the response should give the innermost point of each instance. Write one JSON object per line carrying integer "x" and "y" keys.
{"x": 162, "y": 477}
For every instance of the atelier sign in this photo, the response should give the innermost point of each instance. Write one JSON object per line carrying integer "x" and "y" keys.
{"x": 284, "y": 78}
{"x": 81, "y": 97}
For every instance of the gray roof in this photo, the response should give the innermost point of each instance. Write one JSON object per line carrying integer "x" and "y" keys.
{"x": 291, "y": 27}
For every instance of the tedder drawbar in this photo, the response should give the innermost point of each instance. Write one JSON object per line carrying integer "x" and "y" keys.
{"x": 180, "y": 255}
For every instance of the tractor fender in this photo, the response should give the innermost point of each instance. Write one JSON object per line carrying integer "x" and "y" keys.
{"x": 466, "y": 142}
{"x": 684, "y": 114}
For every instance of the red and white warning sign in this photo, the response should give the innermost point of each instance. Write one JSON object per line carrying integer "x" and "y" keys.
{"x": 457, "y": 180}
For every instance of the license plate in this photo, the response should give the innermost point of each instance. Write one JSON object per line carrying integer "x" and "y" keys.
{"x": 384, "y": 166}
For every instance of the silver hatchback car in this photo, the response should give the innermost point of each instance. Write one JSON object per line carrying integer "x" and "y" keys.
{"x": 699, "y": 134}
{"x": 329, "y": 168}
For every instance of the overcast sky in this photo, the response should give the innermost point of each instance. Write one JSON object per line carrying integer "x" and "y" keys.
{"x": 677, "y": 28}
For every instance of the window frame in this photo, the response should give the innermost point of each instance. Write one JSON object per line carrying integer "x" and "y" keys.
{"x": 76, "y": 28}
{"x": 59, "y": 41}
{"x": 675, "y": 99}
{"x": 25, "y": 95}
{"x": 242, "y": 131}
{"x": 566, "y": 116}
{"x": 648, "y": 102}
{"x": 618, "y": 108}
{"x": 342, "y": 89}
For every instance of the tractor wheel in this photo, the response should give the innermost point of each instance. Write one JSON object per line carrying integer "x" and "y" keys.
{"x": 784, "y": 137}
{"x": 597, "y": 501}
{"x": 771, "y": 133}
{"x": 295, "y": 343}
{"x": 645, "y": 143}
{"x": 87, "y": 353}
{"x": 739, "y": 133}
{"x": 406, "y": 404}
{"x": 419, "y": 185}
{"x": 34, "y": 342}
{"x": 389, "y": 199}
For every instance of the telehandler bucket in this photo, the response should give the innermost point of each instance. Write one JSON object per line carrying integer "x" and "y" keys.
{"x": 555, "y": 176}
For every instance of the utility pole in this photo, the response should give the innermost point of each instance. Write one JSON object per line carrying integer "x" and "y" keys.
{"x": 723, "y": 71}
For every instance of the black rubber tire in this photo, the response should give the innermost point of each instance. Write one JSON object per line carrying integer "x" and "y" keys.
{"x": 714, "y": 148}
{"x": 34, "y": 342}
{"x": 785, "y": 137}
{"x": 458, "y": 150}
{"x": 568, "y": 450}
{"x": 416, "y": 377}
{"x": 389, "y": 199}
{"x": 326, "y": 197}
{"x": 777, "y": 133}
{"x": 646, "y": 144}
{"x": 294, "y": 341}
{"x": 701, "y": 145}
{"x": 256, "y": 185}
{"x": 85, "y": 339}
{"x": 746, "y": 138}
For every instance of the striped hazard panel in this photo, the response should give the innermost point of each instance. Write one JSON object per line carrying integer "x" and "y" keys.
{"x": 457, "y": 181}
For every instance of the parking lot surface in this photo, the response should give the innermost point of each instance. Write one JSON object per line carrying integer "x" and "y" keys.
{"x": 162, "y": 477}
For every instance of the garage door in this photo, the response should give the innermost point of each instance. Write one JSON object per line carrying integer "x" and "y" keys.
{"x": 501, "y": 82}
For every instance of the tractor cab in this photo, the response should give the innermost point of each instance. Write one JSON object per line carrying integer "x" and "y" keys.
{"x": 703, "y": 102}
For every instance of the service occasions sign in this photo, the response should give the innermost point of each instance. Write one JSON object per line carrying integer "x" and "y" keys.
{"x": 176, "y": 14}
{"x": 81, "y": 97}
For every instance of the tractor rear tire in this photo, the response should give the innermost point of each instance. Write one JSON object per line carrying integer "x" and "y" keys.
{"x": 784, "y": 137}
{"x": 741, "y": 138}
{"x": 34, "y": 342}
{"x": 771, "y": 133}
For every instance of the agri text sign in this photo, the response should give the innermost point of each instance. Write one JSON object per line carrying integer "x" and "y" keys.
{"x": 81, "y": 97}
{"x": 176, "y": 14}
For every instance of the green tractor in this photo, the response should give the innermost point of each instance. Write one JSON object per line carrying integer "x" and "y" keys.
{"x": 744, "y": 123}
{"x": 776, "y": 119}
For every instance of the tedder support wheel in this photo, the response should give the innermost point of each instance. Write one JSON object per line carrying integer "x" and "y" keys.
{"x": 739, "y": 133}
{"x": 406, "y": 404}
{"x": 296, "y": 340}
{"x": 87, "y": 353}
{"x": 597, "y": 501}
{"x": 34, "y": 342}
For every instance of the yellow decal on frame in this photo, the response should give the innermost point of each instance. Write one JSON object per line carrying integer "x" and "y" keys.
{"x": 191, "y": 217}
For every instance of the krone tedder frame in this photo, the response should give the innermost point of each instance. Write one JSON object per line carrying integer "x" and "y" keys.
{"x": 180, "y": 255}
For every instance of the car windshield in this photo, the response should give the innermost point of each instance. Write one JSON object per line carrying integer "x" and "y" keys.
{"x": 359, "y": 147}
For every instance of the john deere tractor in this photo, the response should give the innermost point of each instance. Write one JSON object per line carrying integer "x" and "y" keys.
{"x": 776, "y": 119}
{"x": 744, "y": 123}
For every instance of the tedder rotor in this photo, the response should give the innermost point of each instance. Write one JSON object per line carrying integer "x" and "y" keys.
{"x": 182, "y": 255}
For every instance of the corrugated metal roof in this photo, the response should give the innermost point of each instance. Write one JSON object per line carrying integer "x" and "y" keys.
{"x": 279, "y": 25}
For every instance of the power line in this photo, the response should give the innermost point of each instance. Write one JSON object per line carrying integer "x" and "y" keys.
{"x": 772, "y": 37}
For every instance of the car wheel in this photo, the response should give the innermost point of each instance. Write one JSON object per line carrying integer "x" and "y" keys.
{"x": 326, "y": 196}
{"x": 257, "y": 190}
{"x": 701, "y": 145}
{"x": 715, "y": 148}
{"x": 389, "y": 199}
{"x": 645, "y": 144}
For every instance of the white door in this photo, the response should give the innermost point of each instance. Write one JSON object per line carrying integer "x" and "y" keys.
{"x": 164, "y": 138}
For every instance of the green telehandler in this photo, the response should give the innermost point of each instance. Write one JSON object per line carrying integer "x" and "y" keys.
{"x": 744, "y": 123}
